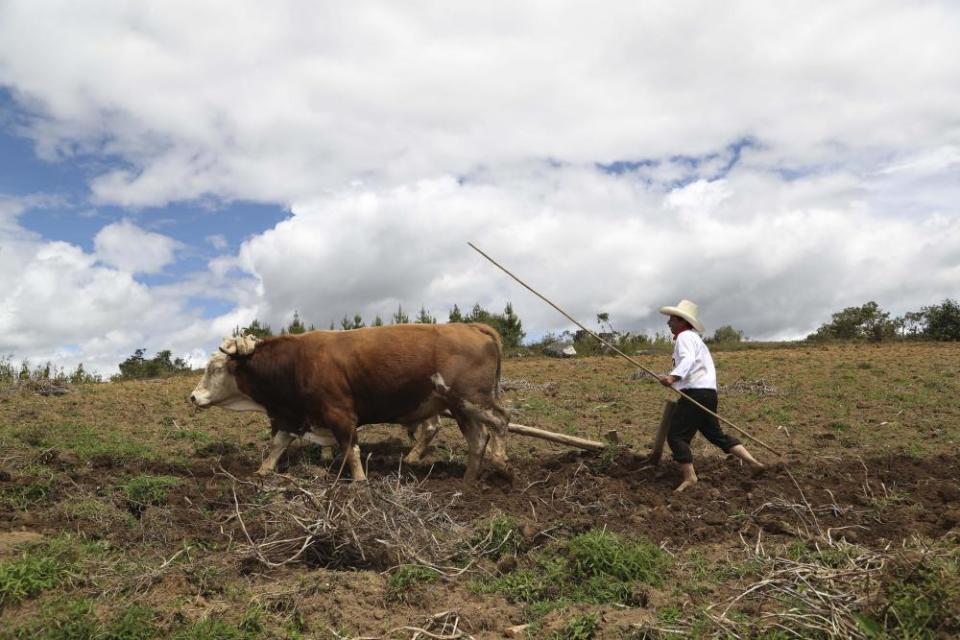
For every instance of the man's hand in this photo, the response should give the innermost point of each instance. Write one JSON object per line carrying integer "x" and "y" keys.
{"x": 668, "y": 380}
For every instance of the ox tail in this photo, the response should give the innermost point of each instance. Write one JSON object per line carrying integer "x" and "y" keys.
{"x": 498, "y": 343}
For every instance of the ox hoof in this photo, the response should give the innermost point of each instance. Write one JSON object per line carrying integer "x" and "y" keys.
{"x": 503, "y": 475}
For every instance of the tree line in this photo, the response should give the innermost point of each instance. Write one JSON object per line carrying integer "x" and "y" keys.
{"x": 507, "y": 324}
{"x": 867, "y": 322}
{"x": 871, "y": 323}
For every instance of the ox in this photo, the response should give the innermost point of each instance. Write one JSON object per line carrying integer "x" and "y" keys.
{"x": 324, "y": 383}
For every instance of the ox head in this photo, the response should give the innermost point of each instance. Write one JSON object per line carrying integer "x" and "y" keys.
{"x": 218, "y": 387}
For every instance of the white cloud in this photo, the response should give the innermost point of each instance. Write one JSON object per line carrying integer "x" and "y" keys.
{"x": 218, "y": 241}
{"x": 770, "y": 256}
{"x": 269, "y": 103}
{"x": 127, "y": 247}
{"x": 794, "y": 163}
{"x": 59, "y": 303}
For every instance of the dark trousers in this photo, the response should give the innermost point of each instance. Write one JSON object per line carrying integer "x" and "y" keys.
{"x": 688, "y": 418}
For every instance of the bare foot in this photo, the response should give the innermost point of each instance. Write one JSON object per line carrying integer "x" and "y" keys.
{"x": 758, "y": 469}
{"x": 685, "y": 484}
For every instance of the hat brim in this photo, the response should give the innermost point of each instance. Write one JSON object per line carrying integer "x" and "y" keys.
{"x": 680, "y": 313}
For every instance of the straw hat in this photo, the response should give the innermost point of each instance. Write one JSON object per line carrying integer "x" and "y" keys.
{"x": 686, "y": 310}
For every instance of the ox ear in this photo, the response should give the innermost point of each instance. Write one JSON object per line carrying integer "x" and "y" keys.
{"x": 238, "y": 346}
{"x": 246, "y": 344}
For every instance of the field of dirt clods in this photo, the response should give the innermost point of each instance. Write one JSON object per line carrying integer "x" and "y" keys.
{"x": 127, "y": 513}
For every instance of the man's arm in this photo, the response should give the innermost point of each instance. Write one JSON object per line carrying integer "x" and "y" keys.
{"x": 668, "y": 380}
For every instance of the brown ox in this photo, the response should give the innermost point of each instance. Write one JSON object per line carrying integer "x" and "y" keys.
{"x": 334, "y": 381}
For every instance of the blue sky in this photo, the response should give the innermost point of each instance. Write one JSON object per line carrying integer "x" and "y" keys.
{"x": 160, "y": 185}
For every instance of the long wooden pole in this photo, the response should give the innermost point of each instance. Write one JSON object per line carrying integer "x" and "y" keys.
{"x": 562, "y": 438}
{"x": 621, "y": 353}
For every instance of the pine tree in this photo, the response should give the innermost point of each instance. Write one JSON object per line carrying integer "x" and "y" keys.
{"x": 296, "y": 326}
{"x": 356, "y": 323}
{"x": 377, "y": 321}
{"x": 510, "y": 328}
{"x": 455, "y": 315}
{"x": 400, "y": 317}
{"x": 424, "y": 317}
{"x": 255, "y": 328}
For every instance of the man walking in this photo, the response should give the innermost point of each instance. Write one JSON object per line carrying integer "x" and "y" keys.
{"x": 695, "y": 375}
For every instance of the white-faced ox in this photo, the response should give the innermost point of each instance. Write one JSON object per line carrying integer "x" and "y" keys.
{"x": 327, "y": 383}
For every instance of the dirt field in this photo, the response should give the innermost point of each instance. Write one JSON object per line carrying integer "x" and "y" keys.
{"x": 126, "y": 513}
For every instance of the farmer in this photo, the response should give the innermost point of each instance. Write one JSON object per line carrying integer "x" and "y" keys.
{"x": 694, "y": 374}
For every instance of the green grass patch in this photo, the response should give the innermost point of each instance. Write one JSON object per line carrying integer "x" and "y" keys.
{"x": 30, "y": 575}
{"x": 403, "y": 580}
{"x": 579, "y": 627}
{"x": 77, "y": 620}
{"x": 133, "y": 623}
{"x": 498, "y": 537}
{"x": 669, "y": 614}
{"x": 191, "y": 435}
{"x": 922, "y": 600}
{"x": 45, "y": 566}
{"x": 88, "y": 442}
{"x": 214, "y": 629}
{"x": 597, "y": 567}
{"x": 145, "y": 490}
{"x": 23, "y": 497}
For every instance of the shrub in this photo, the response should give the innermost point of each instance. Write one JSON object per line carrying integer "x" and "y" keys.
{"x": 942, "y": 321}
{"x": 137, "y": 367}
{"x": 866, "y": 322}
{"x": 726, "y": 335}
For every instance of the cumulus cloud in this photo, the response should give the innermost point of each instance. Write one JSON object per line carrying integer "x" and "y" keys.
{"x": 126, "y": 246}
{"x": 268, "y": 104}
{"x": 771, "y": 256}
{"x": 60, "y": 303}
{"x": 773, "y": 165}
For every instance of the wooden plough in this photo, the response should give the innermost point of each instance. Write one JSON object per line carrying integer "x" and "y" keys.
{"x": 612, "y": 437}
{"x": 562, "y": 438}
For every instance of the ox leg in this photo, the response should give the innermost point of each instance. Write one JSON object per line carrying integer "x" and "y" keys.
{"x": 498, "y": 423}
{"x": 326, "y": 441}
{"x": 351, "y": 458}
{"x": 493, "y": 422}
{"x": 342, "y": 424}
{"x": 422, "y": 434}
{"x": 281, "y": 440}
{"x": 477, "y": 438}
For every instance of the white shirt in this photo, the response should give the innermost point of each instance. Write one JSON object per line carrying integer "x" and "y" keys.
{"x": 692, "y": 363}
